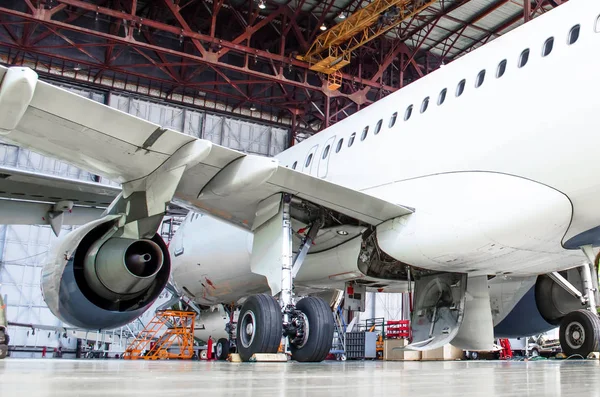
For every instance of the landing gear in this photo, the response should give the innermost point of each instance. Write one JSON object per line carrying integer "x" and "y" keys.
{"x": 580, "y": 333}
{"x": 3, "y": 344}
{"x": 222, "y": 349}
{"x": 312, "y": 337}
{"x": 259, "y": 327}
{"x": 304, "y": 329}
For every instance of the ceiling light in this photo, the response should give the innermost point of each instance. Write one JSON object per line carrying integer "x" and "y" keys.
{"x": 342, "y": 232}
{"x": 252, "y": 107}
{"x": 262, "y": 5}
{"x": 323, "y": 27}
{"x": 77, "y": 68}
{"x": 342, "y": 15}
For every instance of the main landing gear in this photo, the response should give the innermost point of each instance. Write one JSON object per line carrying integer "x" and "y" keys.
{"x": 3, "y": 343}
{"x": 579, "y": 332}
{"x": 303, "y": 329}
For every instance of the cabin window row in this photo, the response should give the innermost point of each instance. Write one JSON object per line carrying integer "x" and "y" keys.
{"x": 547, "y": 48}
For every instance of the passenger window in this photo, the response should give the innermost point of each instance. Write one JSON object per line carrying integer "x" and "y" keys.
{"x": 574, "y": 34}
{"x": 548, "y": 46}
{"x": 393, "y": 119}
{"x": 308, "y": 160}
{"x": 351, "y": 141}
{"x": 378, "y": 127}
{"x": 408, "y": 112}
{"x": 294, "y": 165}
{"x": 339, "y": 145}
{"x": 480, "y": 79}
{"x": 597, "y": 27}
{"x": 461, "y": 87}
{"x": 524, "y": 58}
{"x": 325, "y": 152}
{"x": 501, "y": 69}
{"x": 442, "y": 96}
{"x": 364, "y": 133}
{"x": 424, "y": 105}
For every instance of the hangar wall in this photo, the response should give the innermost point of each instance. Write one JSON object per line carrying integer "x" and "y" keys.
{"x": 22, "y": 247}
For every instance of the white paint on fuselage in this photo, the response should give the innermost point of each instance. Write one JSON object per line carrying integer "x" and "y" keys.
{"x": 499, "y": 176}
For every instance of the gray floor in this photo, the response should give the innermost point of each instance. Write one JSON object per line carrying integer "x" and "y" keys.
{"x": 115, "y": 378}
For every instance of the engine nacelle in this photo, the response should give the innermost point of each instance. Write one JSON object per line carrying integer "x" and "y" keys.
{"x": 541, "y": 308}
{"x": 96, "y": 280}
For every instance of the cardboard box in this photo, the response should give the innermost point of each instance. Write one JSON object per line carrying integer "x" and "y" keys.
{"x": 399, "y": 355}
{"x": 444, "y": 353}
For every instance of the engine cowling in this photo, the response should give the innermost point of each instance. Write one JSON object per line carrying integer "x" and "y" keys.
{"x": 95, "y": 280}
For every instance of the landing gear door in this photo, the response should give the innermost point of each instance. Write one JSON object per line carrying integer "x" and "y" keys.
{"x": 439, "y": 308}
{"x": 324, "y": 157}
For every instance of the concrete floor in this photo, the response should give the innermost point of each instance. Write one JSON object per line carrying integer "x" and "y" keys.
{"x": 115, "y": 378}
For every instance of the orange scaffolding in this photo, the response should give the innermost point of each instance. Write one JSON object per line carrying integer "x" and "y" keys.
{"x": 169, "y": 329}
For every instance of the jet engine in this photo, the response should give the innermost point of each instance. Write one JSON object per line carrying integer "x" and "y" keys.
{"x": 98, "y": 277}
{"x": 541, "y": 308}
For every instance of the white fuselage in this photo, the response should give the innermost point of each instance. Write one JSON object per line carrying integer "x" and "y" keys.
{"x": 502, "y": 177}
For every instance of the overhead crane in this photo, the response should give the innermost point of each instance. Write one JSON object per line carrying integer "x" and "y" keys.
{"x": 332, "y": 50}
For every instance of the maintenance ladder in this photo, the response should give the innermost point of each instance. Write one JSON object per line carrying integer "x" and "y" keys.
{"x": 167, "y": 330}
{"x": 338, "y": 348}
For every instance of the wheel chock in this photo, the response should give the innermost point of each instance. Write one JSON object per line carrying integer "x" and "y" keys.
{"x": 234, "y": 358}
{"x": 268, "y": 358}
{"x": 560, "y": 356}
{"x": 593, "y": 356}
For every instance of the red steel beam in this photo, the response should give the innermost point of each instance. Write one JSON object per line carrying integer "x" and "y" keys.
{"x": 207, "y": 57}
{"x": 167, "y": 51}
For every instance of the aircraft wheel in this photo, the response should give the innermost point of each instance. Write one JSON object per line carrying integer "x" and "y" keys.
{"x": 259, "y": 327}
{"x": 222, "y": 349}
{"x": 580, "y": 333}
{"x": 3, "y": 338}
{"x": 319, "y": 331}
{"x": 3, "y": 351}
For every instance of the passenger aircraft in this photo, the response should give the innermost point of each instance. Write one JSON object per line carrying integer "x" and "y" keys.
{"x": 476, "y": 185}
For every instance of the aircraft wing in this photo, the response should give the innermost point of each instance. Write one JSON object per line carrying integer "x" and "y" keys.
{"x": 27, "y": 198}
{"x": 24, "y": 185}
{"x": 224, "y": 182}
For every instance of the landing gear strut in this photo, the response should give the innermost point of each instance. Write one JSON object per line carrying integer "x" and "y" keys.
{"x": 304, "y": 329}
{"x": 580, "y": 330}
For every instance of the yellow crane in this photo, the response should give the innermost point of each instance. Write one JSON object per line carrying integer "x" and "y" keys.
{"x": 332, "y": 50}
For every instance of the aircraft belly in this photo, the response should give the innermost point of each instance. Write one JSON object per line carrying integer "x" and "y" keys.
{"x": 214, "y": 264}
{"x": 479, "y": 222}
{"x": 211, "y": 262}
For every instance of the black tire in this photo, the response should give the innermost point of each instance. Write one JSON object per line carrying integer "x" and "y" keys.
{"x": 3, "y": 337}
{"x": 320, "y": 330}
{"x": 222, "y": 349}
{"x": 580, "y": 333}
{"x": 3, "y": 351}
{"x": 264, "y": 335}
